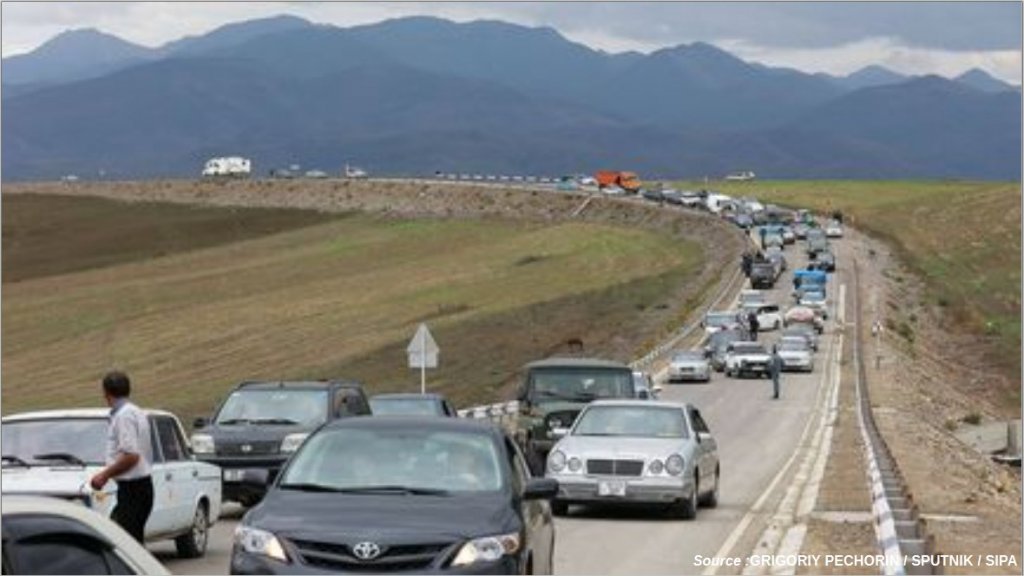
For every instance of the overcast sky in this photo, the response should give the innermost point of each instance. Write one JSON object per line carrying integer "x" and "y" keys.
{"x": 911, "y": 37}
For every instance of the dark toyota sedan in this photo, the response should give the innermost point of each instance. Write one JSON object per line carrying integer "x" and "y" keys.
{"x": 401, "y": 494}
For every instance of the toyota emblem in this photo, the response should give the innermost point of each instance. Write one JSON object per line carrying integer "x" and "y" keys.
{"x": 246, "y": 448}
{"x": 366, "y": 550}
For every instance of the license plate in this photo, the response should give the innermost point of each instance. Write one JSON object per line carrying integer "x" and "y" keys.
{"x": 611, "y": 488}
{"x": 233, "y": 475}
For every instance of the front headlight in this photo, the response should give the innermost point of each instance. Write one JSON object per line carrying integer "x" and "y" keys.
{"x": 202, "y": 444}
{"x": 674, "y": 464}
{"x": 292, "y": 442}
{"x": 487, "y": 549}
{"x": 556, "y": 461}
{"x": 575, "y": 464}
{"x": 261, "y": 542}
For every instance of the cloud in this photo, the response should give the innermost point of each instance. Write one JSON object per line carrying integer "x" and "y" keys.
{"x": 888, "y": 52}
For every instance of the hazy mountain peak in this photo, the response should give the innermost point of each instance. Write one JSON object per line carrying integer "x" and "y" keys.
{"x": 71, "y": 55}
{"x": 872, "y": 75}
{"x": 235, "y": 33}
{"x": 981, "y": 80}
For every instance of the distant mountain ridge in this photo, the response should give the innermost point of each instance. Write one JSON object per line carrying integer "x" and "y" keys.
{"x": 414, "y": 95}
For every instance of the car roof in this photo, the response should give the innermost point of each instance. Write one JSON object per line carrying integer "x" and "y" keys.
{"x": 139, "y": 557}
{"x": 408, "y": 396}
{"x": 420, "y": 423}
{"x": 297, "y": 384}
{"x": 576, "y": 363}
{"x": 640, "y": 403}
{"x": 103, "y": 413}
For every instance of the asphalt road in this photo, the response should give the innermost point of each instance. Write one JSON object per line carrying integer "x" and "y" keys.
{"x": 757, "y": 436}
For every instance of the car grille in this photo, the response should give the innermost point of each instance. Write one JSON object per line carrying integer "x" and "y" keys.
{"x": 394, "y": 558}
{"x": 615, "y": 467}
{"x": 561, "y": 419}
{"x": 255, "y": 448}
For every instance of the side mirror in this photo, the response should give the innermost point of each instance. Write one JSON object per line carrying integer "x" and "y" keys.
{"x": 540, "y": 489}
{"x": 559, "y": 433}
{"x": 656, "y": 391}
{"x": 255, "y": 478}
{"x": 643, "y": 395}
{"x": 703, "y": 437}
{"x": 199, "y": 423}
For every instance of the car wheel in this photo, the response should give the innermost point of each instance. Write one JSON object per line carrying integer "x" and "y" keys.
{"x": 710, "y": 500}
{"x": 192, "y": 544}
{"x": 687, "y": 509}
{"x": 248, "y": 501}
{"x": 559, "y": 508}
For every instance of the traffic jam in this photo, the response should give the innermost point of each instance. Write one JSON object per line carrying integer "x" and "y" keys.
{"x": 334, "y": 480}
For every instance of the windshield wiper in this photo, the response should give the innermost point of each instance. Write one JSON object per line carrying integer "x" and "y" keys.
{"x": 230, "y": 421}
{"x": 286, "y": 421}
{"x": 309, "y": 487}
{"x": 548, "y": 394}
{"x": 395, "y": 489}
{"x": 70, "y": 458}
{"x": 11, "y": 458}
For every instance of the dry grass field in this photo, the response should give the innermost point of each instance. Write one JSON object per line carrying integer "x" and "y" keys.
{"x": 315, "y": 296}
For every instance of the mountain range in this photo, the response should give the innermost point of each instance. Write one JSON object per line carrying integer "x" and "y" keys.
{"x": 415, "y": 95}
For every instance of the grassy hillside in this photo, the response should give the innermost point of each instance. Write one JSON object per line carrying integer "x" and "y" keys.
{"x": 45, "y": 235}
{"x": 962, "y": 238}
{"x": 335, "y": 299}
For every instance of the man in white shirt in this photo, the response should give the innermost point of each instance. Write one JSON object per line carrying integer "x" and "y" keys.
{"x": 129, "y": 456}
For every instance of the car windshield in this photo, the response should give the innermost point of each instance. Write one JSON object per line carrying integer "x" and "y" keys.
{"x": 401, "y": 459}
{"x": 689, "y": 356}
{"x": 580, "y": 384}
{"x": 748, "y": 348}
{"x": 716, "y": 319}
{"x": 793, "y": 344}
{"x": 274, "y": 406}
{"x": 722, "y": 339}
{"x": 634, "y": 421}
{"x": 404, "y": 406}
{"x": 83, "y": 438}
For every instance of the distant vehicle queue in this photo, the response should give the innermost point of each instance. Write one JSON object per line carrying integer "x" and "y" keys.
{"x": 318, "y": 462}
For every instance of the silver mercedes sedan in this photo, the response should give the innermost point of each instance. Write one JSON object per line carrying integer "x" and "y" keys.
{"x": 637, "y": 451}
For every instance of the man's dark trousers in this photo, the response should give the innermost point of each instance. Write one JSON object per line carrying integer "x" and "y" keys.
{"x": 134, "y": 504}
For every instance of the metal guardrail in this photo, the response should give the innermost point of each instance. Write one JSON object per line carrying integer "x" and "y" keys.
{"x": 899, "y": 527}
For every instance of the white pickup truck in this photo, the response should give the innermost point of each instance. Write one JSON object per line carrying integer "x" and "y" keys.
{"x": 56, "y": 452}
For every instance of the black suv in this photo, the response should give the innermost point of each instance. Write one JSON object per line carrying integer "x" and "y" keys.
{"x": 261, "y": 424}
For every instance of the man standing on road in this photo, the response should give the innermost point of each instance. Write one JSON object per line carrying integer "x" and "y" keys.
{"x": 129, "y": 456}
{"x": 747, "y": 261}
{"x": 754, "y": 325}
{"x": 764, "y": 233}
{"x": 775, "y": 369}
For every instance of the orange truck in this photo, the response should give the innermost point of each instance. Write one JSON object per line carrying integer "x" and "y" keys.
{"x": 625, "y": 180}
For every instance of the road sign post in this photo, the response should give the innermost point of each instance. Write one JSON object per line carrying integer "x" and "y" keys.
{"x": 423, "y": 351}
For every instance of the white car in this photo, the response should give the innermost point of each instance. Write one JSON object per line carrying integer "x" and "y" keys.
{"x": 613, "y": 191}
{"x": 796, "y": 354}
{"x": 769, "y": 317}
{"x": 630, "y": 451}
{"x": 52, "y": 536}
{"x": 815, "y": 301}
{"x": 57, "y": 452}
{"x": 834, "y": 229}
{"x": 743, "y": 358}
{"x": 723, "y": 320}
{"x": 750, "y": 297}
{"x": 689, "y": 365}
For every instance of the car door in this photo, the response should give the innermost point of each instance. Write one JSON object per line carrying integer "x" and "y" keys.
{"x": 707, "y": 448}
{"x": 178, "y": 474}
{"x": 536, "y": 513}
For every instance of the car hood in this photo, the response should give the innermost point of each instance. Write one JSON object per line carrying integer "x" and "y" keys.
{"x": 348, "y": 517}
{"x": 616, "y": 447}
{"x": 60, "y": 481}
